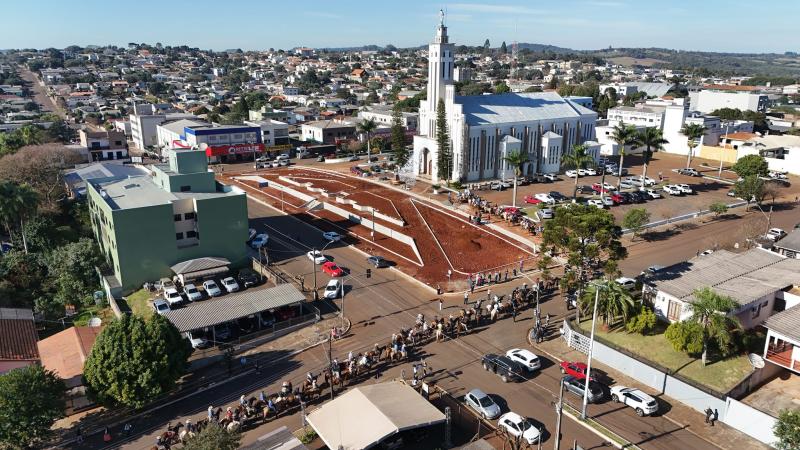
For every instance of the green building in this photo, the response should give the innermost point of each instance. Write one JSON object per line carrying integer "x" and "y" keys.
{"x": 146, "y": 224}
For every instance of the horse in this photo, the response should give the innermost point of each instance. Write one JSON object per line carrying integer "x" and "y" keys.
{"x": 185, "y": 434}
{"x": 234, "y": 425}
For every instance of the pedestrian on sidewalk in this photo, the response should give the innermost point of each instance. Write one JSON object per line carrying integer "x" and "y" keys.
{"x": 506, "y": 277}
{"x": 210, "y": 412}
{"x": 488, "y": 295}
{"x": 709, "y": 413}
{"x": 441, "y": 303}
{"x": 127, "y": 428}
{"x": 547, "y": 320}
{"x": 520, "y": 265}
{"x": 79, "y": 435}
{"x": 471, "y": 286}
{"x": 438, "y": 290}
{"x": 514, "y": 312}
{"x": 714, "y": 417}
{"x": 106, "y": 435}
{"x": 466, "y": 297}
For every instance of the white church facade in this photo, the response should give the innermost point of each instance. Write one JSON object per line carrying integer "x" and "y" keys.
{"x": 485, "y": 128}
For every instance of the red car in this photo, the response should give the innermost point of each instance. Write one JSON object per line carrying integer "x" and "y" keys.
{"x": 599, "y": 189}
{"x": 332, "y": 269}
{"x": 617, "y": 199}
{"x": 533, "y": 201}
{"x": 576, "y": 369}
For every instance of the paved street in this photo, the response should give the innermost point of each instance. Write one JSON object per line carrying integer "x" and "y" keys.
{"x": 40, "y": 95}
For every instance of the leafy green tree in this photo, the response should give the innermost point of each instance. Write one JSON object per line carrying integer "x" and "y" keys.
{"x": 577, "y": 159}
{"x": 22, "y": 280}
{"x": 503, "y": 48}
{"x": 31, "y": 400}
{"x": 133, "y": 361}
{"x": 751, "y": 188}
{"x": 486, "y": 44}
{"x": 787, "y": 430}
{"x": 367, "y": 127}
{"x": 712, "y": 312}
{"x": 72, "y": 271}
{"x": 635, "y": 219}
{"x": 10, "y": 142}
{"x": 444, "y": 154}
{"x": 614, "y": 302}
{"x": 399, "y": 138}
{"x": 751, "y": 165}
{"x": 18, "y": 203}
{"x": 652, "y": 139}
{"x": 59, "y": 131}
{"x": 718, "y": 208}
{"x": 693, "y": 132}
{"x": 214, "y": 437}
{"x": 515, "y": 159}
{"x": 686, "y": 337}
{"x": 642, "y": 323}
{"x": 624, "y": 136}
{"x": 501, "y": 88}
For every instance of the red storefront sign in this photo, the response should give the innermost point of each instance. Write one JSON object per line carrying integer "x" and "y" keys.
{"x": 235, "y": 149}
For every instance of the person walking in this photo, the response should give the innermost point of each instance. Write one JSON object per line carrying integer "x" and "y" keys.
{"x": 210, "y": 412}
{"x": 471, "y": 286}
{"x": 709, "y": 413}
{"x": 441, "y": 303}
{"x": 488, "y": 294}
{"x": 78, "y": 435}
{"x": 466, "y": 297}
{"x": 514, "y": 312}
{"x": 127, "y": 428}
{"x": 506, "y": 276}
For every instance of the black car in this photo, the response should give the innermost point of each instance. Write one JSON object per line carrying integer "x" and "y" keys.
{"x": 504, "y": 367}
{"x": 576, "y": 386}
{"x": 248, "y": 277}
{"x": 558, "y": 196}
{"x": 378, "y": 261}
{"x": 585, "y": 189}
{"x": 637, "y": 197}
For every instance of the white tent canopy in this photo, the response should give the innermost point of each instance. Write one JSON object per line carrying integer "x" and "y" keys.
{"x": 364, "y": 416}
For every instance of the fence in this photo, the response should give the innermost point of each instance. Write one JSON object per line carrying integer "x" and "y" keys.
{"x": 692, "y": 215}
{"x": 750, "y": 421}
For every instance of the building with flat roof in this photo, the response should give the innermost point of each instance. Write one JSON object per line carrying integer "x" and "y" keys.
{"x": 146, "y": 224}
{"x": 104, "y": 145}
{"x": 709, "y": 100}
{"x": 327, "y": 131}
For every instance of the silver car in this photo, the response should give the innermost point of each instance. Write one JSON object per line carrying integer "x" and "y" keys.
{"x": 482, "y": 404}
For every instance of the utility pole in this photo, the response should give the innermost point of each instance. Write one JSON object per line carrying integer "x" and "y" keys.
{"x": 591, "y": 348}
{"x": 559, "y": 411}
{"x": 330, "y": 361}
{"x": 314, "y": 264}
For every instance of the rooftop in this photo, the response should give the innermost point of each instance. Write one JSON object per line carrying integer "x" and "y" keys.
{"x": 65, "y": 352}
{"x": 329, "y": 124}
{"x": 740, "y": 136}
{"x": 17, "y": 335}
{"x": 512, "y": 107}
{"x": 76, "y": 178}
{"x": 786, "y": 323}
{"x": 791, "y": 241}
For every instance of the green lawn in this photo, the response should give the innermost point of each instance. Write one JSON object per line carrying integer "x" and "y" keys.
{"x": 720, "y": 375}
{"x": 83, "y": 317}
{"x": 139, "y": 303}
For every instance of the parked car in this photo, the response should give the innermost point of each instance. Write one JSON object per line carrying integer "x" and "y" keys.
{"x": 333, "y": 289}
{"x": 578, "y": 387}
{"x": 643, "y": 403}
{"x": 532, "y": 200}
{"x": 248, "y": 277}
{"x": 625, "y": 185}
{"x": 545, "y": 198}
{"x": 525, "y": 358}
{"x": 638, "y": 196}
{"x": 259, "y": 241}
{"x": 550, "y": 177}
{"x": 230, "y": 284}
{"x": 173, "y": 297}
{"x": 590, "y": 171}
{"x": 332, "y": 236}
{"x": 545, "y": 213}
{"x": 571, "y": 173}
{"x": 685, "y": 188}
{"x": 775, "y": 234}
{"x": 497, "y": 186}
{"x": 192, "y": 294}
{"x": 161, "y": 306}
{"x": 504, "y": 367}
{"x": 223, "y": 332}
{"x": 652, "y": 193}
{"x": 627, "y": 283}
{"x": 596, "y": 202}
{"x": 617, "y": 198}
{"x": 558, "y": 196}
{"x": 689, "y": 172}
{"x": 197, "y": 340}
{"x": 332, "y": 269}
{"x": 316, "y": 256}
{"x": 576, "y": 369}
{"x": 517, "y": 426}
{"x": 211, "y": 288}
{"x": 585, "y": 189}
{"x": 607, "y": 201}
{"x": 378, "y": 261}
{"x": 482, "y": 404}
{"x": 166, "y": 283}
{"x": 671, "y": 189}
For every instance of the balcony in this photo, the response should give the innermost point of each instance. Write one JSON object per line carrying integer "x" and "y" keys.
{"x": 781, "y": 354}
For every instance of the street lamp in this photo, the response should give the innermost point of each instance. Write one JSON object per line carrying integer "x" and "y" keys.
{"x": 597, "y": 288}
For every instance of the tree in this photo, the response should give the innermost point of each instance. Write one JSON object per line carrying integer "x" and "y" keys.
{"x": 367, "y": 127}
{"x": 31, "y": 400}
{"x": 787, "y": 430}
{"x": 623, "y": 135}
{"x": 41, "y": 167}
{"x": 72, "y": 271}
{"x": 214, "y": 437}
{"x": 711, "y": 311}
{"x": 685, "y": 336}
{"x": 751, "y": 188}
{"x": 718, "y": 208}
{"x": 642, "y": 323}
{"x": 486, "y": 44}
{"x": 613, "y": 302}
{"x": 693, "y": 132}
{"x": 18, "y": 203}
{"x": 652, "y": 139}
{"x": 501, "y": 88}
{"x": 444, "y": 157}
{"x": 749, "y": 165}
{"x": 577, "y": 159}
{"x": 635, "y": 219}
{"x": 399, "y": 138}
{"x": 133, "y": 361}
{"x": 515, "y": 159}
{"x": 503, "y": 48}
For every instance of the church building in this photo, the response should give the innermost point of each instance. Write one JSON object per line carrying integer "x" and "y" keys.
{"x": 485, "y": 128}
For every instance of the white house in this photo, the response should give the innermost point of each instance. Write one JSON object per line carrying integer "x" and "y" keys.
{"x": 707, "y": 101}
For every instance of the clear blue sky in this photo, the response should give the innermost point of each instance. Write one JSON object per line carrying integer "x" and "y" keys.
{"x": 717, "y": 25}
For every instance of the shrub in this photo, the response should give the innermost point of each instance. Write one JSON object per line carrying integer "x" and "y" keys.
{"x": 685, "y": 337}
{"x": 457, "y": 185}
{"x": 308, "y": 436}
{"x": 642, "y": 323}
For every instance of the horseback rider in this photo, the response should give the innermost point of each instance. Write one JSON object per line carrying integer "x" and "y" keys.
{"x": 242, "y": 400}
{"x": 310, "y": 377}
{"x": 262, "y": 397}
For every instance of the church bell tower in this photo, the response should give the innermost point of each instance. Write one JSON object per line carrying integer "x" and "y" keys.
{"x": 440, "y": 74}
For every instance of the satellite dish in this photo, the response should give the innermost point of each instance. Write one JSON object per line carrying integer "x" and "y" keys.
{"x": 756, "y": 361}
{"x": 95, "y": 322}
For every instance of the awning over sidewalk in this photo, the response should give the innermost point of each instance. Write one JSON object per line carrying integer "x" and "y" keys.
{"x": 200, "y": 267}
{"x": 366, "y": 415}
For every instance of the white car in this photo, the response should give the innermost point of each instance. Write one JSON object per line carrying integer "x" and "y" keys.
{"x": 671, "y": 189}
{"x": 482, "y": 404}
{"x": 644, "y": 404}
{"x": 625, "y": 184}
{"x": 316, "y": 256}
{"x": 525, "y": 357}
{"x": 652, "y": 193}
{"x": 590, "y": 171}
{"x": 545, "y": 213}
{"x": 550, "y": 177}
{"x": 607, "y": 201}
{"x": 192, "y": 293}
{"x": 172, "y": 296}
{"x": 516, "y": 425}
{"x": 572, "y": 173}
{"x": 161, "y": 306}
{"x": 230, "y": 284}
{"x": 211, "y": 288}
{"x": 596, "y": 202}
{"x": 609, "y": 187}
{"x": 259, "y": 241}
{"x": 627, "y": 283}
{"x": 332, "y": 236}
{"x": 775, "y": 234}
{"x": 685, "y": 188}
{"x": 647, "y": 181}
{"x": 196, "y": 339}
{"x": 333, "y": 289}
{"x": 545, "y": 198}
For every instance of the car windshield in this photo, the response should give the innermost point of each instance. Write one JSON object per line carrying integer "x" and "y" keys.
{"x": 191, "y": 290}
{"x": 524, "y": 425}
{"x": 485, "y": 401}
{"x": 331, "y": 287}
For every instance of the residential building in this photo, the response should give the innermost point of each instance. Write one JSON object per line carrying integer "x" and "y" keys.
{"x": 17, "y": 339}
{"x": 144, "y": 121}
{"x": 146, "y": 224}
{"x": 65, "y": 352}
{"x": 707, "y": 101}
{"x": 75, "y": 179}
{"x": 104, "y": 145}
{"x": 782, "y": 153}
{"x": 291, "y": 90}
{"x": 782, "y": 346}
{"x": 632, "y": 87}
{"x": 327, "y": 131}
{"x": 382, "y": 115}
{"x": 462, "y": 74}
{"x": 267, "y": 113}
{"x": 789, "y": 246}
{"x": 543, "y": 125}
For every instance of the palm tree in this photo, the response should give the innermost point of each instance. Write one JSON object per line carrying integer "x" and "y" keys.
{"x": 515, "y": 159}
{"x": 693, "y": 132}
{"x": 578, "y": 159}
{"x": 653, "y": 140}
{"x": 613, "y": 302}
{"x": 18, "y": 202}
{"x": 367, "y": 127}
{"x": 711, "y": 310}
{"x": 624, "y": 135}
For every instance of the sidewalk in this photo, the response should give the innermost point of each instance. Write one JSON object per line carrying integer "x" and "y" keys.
{"x": 721, "y": 435}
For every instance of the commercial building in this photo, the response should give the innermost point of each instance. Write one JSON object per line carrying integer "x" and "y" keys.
{"x": 707, "y": 101}
{"x": 327, "y": 131}
{"x": 143, "y": 123}
{"x": 104, "y": 145}
{"x": 485, "y": 128}
{"x": 274, "y": 134}
{"x": 146, "y": 224}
